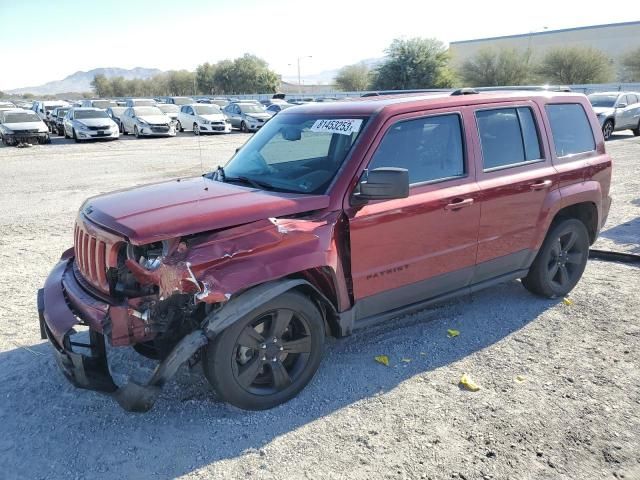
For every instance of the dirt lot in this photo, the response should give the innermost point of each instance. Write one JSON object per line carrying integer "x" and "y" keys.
{"x": 560, "y": 384}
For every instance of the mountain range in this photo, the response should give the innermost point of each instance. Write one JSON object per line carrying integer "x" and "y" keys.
{"x": 81, "y": 81}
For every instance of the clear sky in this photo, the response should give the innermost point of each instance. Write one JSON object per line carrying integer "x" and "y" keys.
{"x": 42, "y": 40}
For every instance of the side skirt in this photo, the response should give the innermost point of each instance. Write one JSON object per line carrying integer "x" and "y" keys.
{"x": 349, "y": 323}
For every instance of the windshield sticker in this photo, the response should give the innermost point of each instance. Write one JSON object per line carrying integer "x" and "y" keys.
{"x": 343, "y": 126}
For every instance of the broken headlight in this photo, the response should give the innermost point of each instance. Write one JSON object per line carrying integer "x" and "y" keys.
{"x": 148, "y": 256}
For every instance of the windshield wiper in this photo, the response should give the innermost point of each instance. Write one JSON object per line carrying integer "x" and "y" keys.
{"x": 221, "y": 176}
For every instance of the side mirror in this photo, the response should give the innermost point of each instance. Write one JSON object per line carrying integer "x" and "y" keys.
{"x": 384, "y": 183}
{"x": 622, "y": 105}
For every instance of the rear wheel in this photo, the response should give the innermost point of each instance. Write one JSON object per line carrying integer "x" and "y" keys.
{"x": 561, "y": 261}
{"x": 268, "y": 356}
{"x": 636, "y": 131}
{"x": 607, "y": 129}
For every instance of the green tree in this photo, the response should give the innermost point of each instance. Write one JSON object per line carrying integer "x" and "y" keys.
{"x": 490, "y": 67}
{"x": 631, "y": 64}
{"x": 246, "y": 74}
{"x": 575, "y": 65}
{"x": 101, "y": 85}
{"x": 26, "y": 96}
{"x": 414, "y": 63}
{"x": 352, "y": 78}
{"x": 205, "y": 78}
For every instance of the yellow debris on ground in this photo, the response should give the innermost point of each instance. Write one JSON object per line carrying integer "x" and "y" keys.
{"x": 453, "y": 333}
{"x": 468, "y": 384}
{"x": 521, "y": 378}
{"x": 383, "y": 359}
{"x": 567, "y": 301}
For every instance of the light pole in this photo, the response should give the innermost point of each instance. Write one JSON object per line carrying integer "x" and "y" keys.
{"x": 299, "y": 80}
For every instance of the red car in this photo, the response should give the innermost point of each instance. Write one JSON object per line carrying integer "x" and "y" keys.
{"x": 332, "y": 217}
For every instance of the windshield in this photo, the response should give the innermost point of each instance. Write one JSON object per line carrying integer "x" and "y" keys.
{"x": 103, "y": 103}
{"x": 20, "y": 117}
{"x": 298, "y": 153}
{"x": 144, "y": 103}
{"x": 607, "y": 101}
{"x": 169, "y": 108}
{"x": 118, "y": 110}
{"x": 80, "y": 114}
{"x": 142, "y": 111}
{"x": 250, "y": 108}
{"x": 61, "y": 112}
{"x": 183, "y": 100}
{"x": 207, "y": 109}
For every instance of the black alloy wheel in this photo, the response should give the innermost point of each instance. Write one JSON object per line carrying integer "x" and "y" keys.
{"x": 561, "y": 261}
{"x": 607, "y": 130}
{"x": 267, "y": 357}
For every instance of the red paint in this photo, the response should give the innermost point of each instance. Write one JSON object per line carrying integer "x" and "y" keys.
{"x": 222, "y": 241}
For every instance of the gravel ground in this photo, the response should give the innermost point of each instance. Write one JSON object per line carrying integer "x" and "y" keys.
{"x": 560, "y": 384}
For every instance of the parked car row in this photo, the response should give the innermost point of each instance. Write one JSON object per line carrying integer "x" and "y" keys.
{"x": 617, "y": 111}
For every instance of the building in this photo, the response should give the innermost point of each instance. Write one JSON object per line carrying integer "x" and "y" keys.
{"x": 614, "y": 39}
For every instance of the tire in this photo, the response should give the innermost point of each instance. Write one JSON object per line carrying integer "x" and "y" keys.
{"x": 243, "y": 127}
{"x": 136, "y": 132}
{"x": 124, "y": 130}
{"x": 75, "y": 137}
{"x": 561, "y": 261}
{"x": 61, "y": 132}
{"x": 239, "y": 364}
{"x": 179, "y": 127}
{"x": 65, "y": 133}
{"x": 636, "y": 131}
{"x": 607, "y": 130}
{"x": 196, "y": 129}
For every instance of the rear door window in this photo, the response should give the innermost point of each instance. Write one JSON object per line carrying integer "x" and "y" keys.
{"x": 508, "y": 137}
{"x": 570, "y": 129}
{"x": 430, "y": 148}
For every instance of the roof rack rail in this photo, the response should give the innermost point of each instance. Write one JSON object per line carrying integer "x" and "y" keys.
{"x": 464, "y": 91}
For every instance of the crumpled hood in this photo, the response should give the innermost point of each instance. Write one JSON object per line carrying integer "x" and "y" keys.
{"x": 155, "y": 119}
{"x": 603, "y": 110}
{"x": 213, "y": 117}
{"x": 95, "y": 122}
{"x": 186, "y": 206}
{"x": 27, "y": 126}
{"x": 262, "y": 115}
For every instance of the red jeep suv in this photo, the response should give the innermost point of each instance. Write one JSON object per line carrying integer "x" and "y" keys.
{"x": 332, "y": 217}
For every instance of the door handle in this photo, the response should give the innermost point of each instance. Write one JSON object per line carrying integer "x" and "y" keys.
{"x": 540, "y": 185}
{"x": 459, "y": 203}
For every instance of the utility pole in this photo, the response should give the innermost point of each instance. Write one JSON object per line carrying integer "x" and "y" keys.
{"x": 299, "y": 78}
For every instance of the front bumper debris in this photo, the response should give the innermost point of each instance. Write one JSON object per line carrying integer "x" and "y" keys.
{"x": 89, "y": 368}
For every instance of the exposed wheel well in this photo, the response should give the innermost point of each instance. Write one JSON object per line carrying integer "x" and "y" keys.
{"x": 586, "y": 212}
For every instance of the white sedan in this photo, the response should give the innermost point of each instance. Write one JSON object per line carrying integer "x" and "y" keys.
{"x": 89, "y": 124}
{"x": 202, "y": 118}
{"x": 146, "y": 121}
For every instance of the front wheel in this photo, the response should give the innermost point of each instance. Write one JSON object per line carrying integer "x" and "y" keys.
{"x": 196, "y": 129}
{"x": 75, "y": 137}
{"x": 136, "y": 132}
{"x": 179, "y": 127}
{"x": 268, "y": 356}
{"x": 561, "y": 261}
{"x": 243, "y": 127}
{"x": 607, "y": 129}
{"x": 636, "y": 131}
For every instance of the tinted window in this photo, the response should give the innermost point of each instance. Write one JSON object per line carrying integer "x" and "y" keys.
{"x": 429, "y": 148}
{"x": 570, "y": 129}
{"x": 508, "y": 136}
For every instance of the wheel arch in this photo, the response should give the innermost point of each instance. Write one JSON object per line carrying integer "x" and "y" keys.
{"x": 586, "y": 212}
{"x": 244, "y": 303}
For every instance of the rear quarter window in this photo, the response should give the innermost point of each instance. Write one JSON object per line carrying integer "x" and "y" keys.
{"x": 570, "y": 129}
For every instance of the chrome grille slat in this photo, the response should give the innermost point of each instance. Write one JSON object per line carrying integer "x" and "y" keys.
{"x": 91, "y": 258}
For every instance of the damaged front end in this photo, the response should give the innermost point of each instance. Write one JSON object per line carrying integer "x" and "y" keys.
{"x": 167, "y": 299}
